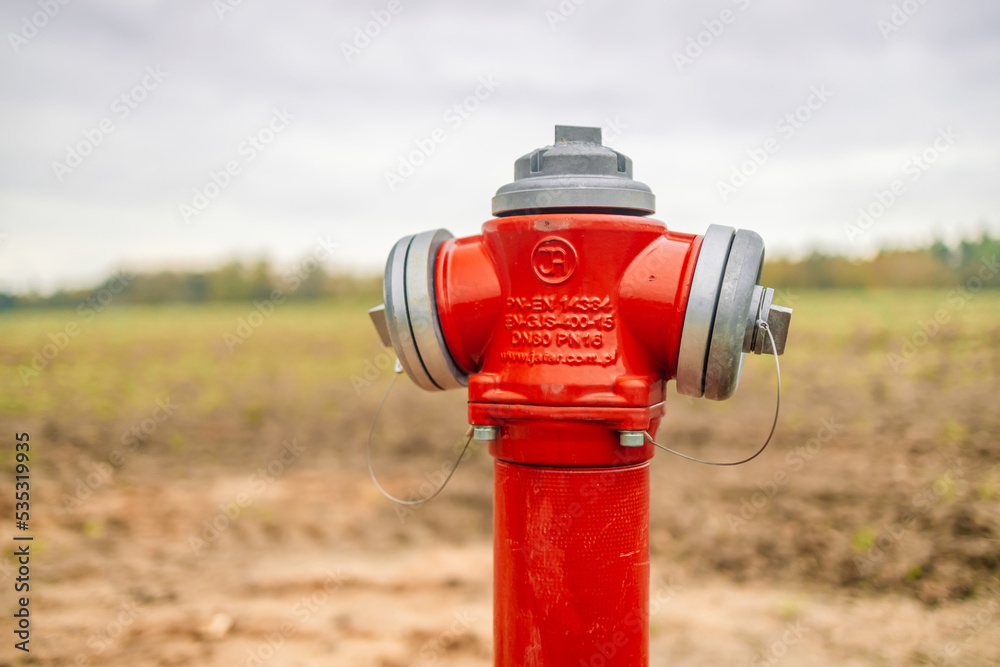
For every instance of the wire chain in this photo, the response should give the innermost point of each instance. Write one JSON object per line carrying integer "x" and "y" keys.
{"x": 368, "y": 448}
{"x": 777, "y": 408}
{"x": 368, "y": 451}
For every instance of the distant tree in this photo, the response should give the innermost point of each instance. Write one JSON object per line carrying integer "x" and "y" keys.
{"x": 197, "y": 287}
{"x": 260, "y": 280}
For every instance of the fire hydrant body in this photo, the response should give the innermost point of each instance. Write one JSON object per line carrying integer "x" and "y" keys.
{"x": 565, "y": 318}
{"x": 566, "y": 355}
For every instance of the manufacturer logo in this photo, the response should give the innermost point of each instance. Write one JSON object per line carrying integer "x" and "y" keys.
{"x": 554, "y": 260}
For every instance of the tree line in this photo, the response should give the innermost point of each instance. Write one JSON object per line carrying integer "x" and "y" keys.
{"x": 235, "y": 281}
{"x": 937, "y": 265}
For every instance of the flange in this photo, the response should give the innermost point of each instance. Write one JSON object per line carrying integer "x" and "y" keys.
{"x": 718, "y": 323}
{"x": 726, "y": 353}
{"x": 696, "y": 334}
{"x": 411, "y": 312}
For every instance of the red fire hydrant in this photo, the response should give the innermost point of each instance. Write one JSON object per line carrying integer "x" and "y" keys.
{"x": 565, "y": 319}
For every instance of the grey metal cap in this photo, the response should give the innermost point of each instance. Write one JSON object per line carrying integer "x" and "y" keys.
{"x": 409, "y": 315}
{"x": 577, "y": 172}
{"x": 733, "y": 314}
{"x": 724, "y": 306}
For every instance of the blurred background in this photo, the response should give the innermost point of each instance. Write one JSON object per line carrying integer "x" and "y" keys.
{"x": 196, "y": 199}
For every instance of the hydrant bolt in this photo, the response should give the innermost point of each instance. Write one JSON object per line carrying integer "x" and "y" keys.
{"x": 632, "y": 438}
{"x": 484, "y": 433}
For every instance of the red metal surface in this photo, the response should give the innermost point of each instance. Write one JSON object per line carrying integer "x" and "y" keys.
{"x": 571, "y": 566}
{"x": 566, "y": 310}
{"x": 565, "y": 441}
{"x": 569, "y": 326}
{"x": 468, "y": 299}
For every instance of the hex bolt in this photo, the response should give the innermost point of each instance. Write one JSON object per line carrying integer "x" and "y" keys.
{"x": 631, "y": 438}
{"x": 484, "y": 433}
{"x": 777, "y": 318}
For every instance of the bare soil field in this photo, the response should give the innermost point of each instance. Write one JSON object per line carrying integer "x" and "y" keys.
{"x": 201, "y": 502}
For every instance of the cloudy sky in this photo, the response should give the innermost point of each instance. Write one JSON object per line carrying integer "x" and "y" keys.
{"x": 148, "y": 133}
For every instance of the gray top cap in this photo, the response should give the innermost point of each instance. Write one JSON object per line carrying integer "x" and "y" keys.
{"x": 576, "y": 172}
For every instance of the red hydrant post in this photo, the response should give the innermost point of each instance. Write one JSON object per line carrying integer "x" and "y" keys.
{"x": 565, "y": 318}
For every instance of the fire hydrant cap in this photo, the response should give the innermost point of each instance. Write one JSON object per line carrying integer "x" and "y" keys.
{"x": 577, "y": 172}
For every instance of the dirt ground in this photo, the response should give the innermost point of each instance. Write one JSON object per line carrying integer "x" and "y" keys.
{"x": 242, "y": 529}
{"x": 318, "y": 571}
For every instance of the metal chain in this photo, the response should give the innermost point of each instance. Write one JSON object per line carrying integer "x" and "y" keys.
{"x": 368, "y": 450}
{"x": 398, "y": 369}
{"x": 777, "y": 408}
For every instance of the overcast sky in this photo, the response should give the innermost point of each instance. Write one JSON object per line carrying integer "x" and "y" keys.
{"x": 116, "y": 114}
